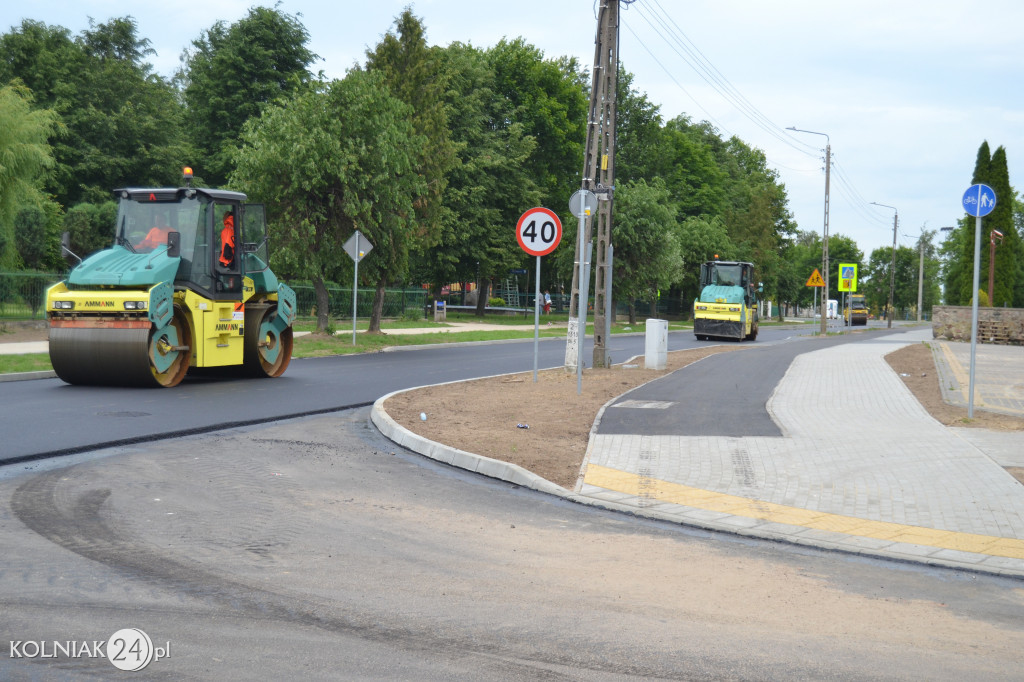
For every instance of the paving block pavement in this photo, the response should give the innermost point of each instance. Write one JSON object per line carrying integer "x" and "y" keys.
{"x": 860, "y": 467}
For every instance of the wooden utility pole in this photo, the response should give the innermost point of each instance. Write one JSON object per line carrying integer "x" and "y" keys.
{"x": 599, "y": 178}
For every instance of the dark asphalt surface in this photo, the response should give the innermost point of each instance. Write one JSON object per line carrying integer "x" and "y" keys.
{"x": 47, "y": 416}
{"x": 722, "y": 395}
{"x": 315, "y": 549}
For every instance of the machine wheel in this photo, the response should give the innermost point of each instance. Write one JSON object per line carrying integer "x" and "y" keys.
{"x": 701, "y": 337}
{"x": 752, "y": 336}
{"x": 268, "y": 350}
{"x": 170, "y": 351}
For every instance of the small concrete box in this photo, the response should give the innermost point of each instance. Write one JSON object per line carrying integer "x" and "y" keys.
{"x": 656, "y": 345}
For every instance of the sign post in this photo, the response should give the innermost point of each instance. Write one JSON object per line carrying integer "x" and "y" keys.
{"x": 848, "y": 285}
{"x": 357, "y": 246}
{"x": 815, "y": 280}
{"x": 978, "y": 201}
{"x": 538, "y": 232}
{"x": 582, "y": 204}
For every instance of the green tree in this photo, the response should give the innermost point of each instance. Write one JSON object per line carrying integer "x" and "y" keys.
{"x": 959, "y": 248}
{"x": 700, "y": 240}
{"x": 842, "y": 249}
{"x": 878, "y": 279}
{"x": 547, "y": 97}
{"x": 488, "y": 186}
{"x": 24, "y": 156}
{"x": 413, "y": 71}
{"x": 232, "y": 72}
{"x": 90, "y": 226}
{"x": 37, "y": 235}
{"x": 800, "y": 257}
{"x": 329, "y": 161}
{"x": 639, "y": 138}
{"x": 926, "y": 249}
{"x": 647, "y": 248}
{"x": 1010, "y": 252}
{"x": 122, "y": 122}
{"x": 692, "y": 173}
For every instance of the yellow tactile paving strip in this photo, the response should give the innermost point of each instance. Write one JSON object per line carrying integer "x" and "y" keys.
{"x": 962, "y": 376}
{"x": 675, "y": 493}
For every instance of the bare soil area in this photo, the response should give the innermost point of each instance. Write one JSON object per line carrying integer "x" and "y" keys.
{"x": 23, "y": 332}
{"x": 483, "y": 416}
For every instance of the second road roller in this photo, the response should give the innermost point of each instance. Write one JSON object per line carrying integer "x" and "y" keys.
{"x": 185, "y": 284}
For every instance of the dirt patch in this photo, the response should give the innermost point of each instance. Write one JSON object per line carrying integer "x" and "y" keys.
{"x": 23, "y": 332}
{"x": 483, "y": 416}
{"x": 916, "y": 366}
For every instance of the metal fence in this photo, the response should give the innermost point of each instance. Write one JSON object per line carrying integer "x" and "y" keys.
{"x": 23, "y": 294}
{"x": 397, "y": 302}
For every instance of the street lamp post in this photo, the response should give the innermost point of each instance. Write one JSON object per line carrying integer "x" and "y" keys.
{"x": 892, "y": 269}
{"x": 920, "y": 269}
{"x": 824, "y": 240}
{"x": 947, "y": 230}
{"x": 994, "y": 237}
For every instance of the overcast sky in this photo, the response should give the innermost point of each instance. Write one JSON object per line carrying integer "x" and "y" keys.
{"x": 906, "y": 90}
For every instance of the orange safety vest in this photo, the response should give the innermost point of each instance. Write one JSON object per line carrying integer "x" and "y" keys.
{"x": 227, "y": 241}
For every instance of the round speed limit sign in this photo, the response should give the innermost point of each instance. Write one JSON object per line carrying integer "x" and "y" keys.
{"x": 539, "y": 230}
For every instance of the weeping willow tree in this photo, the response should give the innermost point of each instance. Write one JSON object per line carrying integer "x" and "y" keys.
{"x": 24, "y": 157}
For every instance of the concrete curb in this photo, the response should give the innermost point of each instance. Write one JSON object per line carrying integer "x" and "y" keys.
{"x": 491, "y": 468}
{"x": 28, "y": 376}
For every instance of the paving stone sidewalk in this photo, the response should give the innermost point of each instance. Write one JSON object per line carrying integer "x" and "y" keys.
{"x": 861, "y": 467}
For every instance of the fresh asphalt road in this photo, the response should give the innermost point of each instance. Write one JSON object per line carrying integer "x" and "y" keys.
{"x": 315, "y": 549}
{"x": 723, "y": 395}
{"x": 47, "y": 416}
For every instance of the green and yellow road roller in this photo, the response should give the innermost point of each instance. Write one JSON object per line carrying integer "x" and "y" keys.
{"x": 186, "y": 284}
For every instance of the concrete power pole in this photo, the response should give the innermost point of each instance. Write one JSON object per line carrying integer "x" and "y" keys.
{"x": 824, "y": 241}
{"x": 892, "y": 270}
{"x": 599, "y": 178}
{"x": 920, "y": 279}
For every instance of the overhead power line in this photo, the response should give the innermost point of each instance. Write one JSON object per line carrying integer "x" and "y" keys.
{"x": 669, "y": 31}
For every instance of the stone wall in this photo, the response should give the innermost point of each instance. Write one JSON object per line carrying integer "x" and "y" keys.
{"x": 995, "y": 325}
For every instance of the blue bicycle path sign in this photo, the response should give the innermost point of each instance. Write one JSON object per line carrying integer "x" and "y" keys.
{"x": 979, "y": 200}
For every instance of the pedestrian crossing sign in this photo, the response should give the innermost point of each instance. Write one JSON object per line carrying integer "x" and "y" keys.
{"x": 848, "y": 277}
{"x": 815, "y": 279}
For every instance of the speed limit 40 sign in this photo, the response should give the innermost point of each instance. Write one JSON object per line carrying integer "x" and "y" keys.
{"x": 539, "y": 230}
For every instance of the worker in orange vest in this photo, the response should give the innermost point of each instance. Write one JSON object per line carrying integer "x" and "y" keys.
{"x": 227, "y": 241}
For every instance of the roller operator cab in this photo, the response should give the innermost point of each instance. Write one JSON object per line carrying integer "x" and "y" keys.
{"x": 727, "y": 305}
{"x": 185, "y": 284}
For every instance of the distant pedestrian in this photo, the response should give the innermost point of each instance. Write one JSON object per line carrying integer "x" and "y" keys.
{"x": 547, "y": 302}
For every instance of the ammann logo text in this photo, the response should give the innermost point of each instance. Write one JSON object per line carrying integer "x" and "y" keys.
{"x": 127, "y": 649}
{"x": 99, "y": 304}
